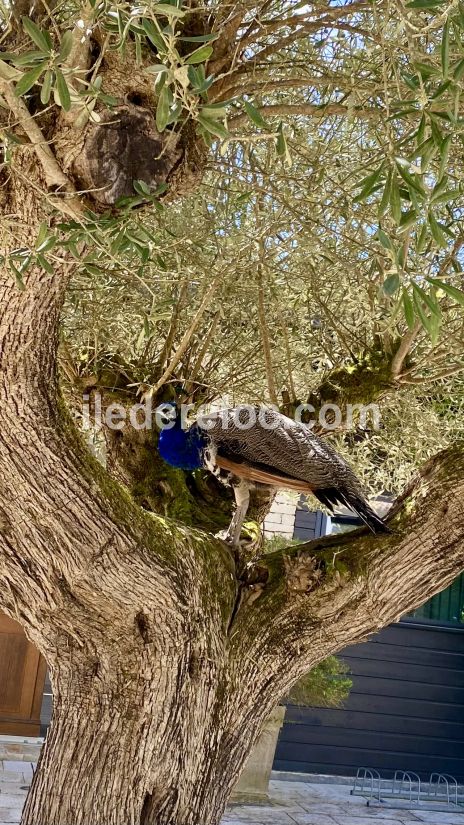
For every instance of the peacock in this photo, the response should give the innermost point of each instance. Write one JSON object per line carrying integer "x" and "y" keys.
{"x": 251, "y": 447}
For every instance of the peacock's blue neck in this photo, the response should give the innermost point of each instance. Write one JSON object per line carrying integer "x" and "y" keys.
{"x": 182, "y": 448}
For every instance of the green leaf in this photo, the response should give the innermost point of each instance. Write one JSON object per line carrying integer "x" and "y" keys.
{"x": 444, "y": 153}
{"x": 408, "y": 307}
{"x": 368, "y": 183}
{"x": 46, "y": 87}
{"x": 156, "y": 68}
{"x": 411, "y": 180}
{"x": 45, "y": 240}
{"x": 168, "y": 10}
{"x": 43, "y": 234}
{"x": 28, "y": 80}
{"x": 281, "y": 145}
{"x": 63, "y": 92}
{"x": 407, "y": 220}
{"x": 42, "y": 261}
{"x": 153, "y": 35}
{"x": 27, "y": 58}
{"x": 213, "y": 127}
{"x": 428, "y": 300}
{"x": 428, "y": 151}
{"x": 384, "y": 240}
{"x": 199, "y": 38}
{"x": 441, "y": 89}
{"x": 459, "y": 70}
{"x": 384, "y": 203}
{"x": 440, "y": 186}
{"x": 216, "y": 112}
{"x": 436, "y": 133}
{"x": 446, "y": 196}
{"x": 141, "y": 187}
{"x": 411, "y": 80}
{"x": 421, "y": 239}
{"x": 391, "y": 284}
{"x": 200, "y": 55}
{"x": 426, "y": 70}
{"x": 18, "y": 276}
{"x": 425, "y": 4}
{"x": 395, "y": 199}
{"x": 452, "y": 291}
{"x": 255, "y": 115}
{"x": 174, "y": 112}
{"x": 420, "y": 135}
{"x": 445, "y": 49}
{"x": 435, "y": 324}
{"x": 162, "y": 109}
{"x": 423, "y": 317}
{"x": 447, "y": 115}
{"x": 156, "y": 192}
{"x": 65, "y": 46}
{"x": 41, "y": 39}
{"x": 436, "y": 230}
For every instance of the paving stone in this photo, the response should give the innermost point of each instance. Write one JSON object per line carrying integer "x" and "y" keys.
{"x": 437, "y": 818}
{"x": 367, "y": 813}
{"x": 12, "y": 790}
{"x": 10, "y": 814}
{"x": 332, "y": 809}
{"x": 312, "y": 819}
{"x": 10, "y": 776}
{"x": 265, "y": 816}
{"x": 366, "y": 820}
{"x": 8, "y": 800}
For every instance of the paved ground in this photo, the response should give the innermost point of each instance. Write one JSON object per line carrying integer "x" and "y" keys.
{"x": 291, "y": 803}
{"x": 306, "y": 803}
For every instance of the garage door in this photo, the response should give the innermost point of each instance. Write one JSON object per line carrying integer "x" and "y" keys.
{"x": 405, "y": 710}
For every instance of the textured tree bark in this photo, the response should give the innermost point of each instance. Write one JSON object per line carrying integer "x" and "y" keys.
{"x": 165, "y": 655}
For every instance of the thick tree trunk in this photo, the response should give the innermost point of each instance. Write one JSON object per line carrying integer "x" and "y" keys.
{"x": 165, "y": 656}
{"x": 135, "y": 754}
{"x": 160, "y": 740}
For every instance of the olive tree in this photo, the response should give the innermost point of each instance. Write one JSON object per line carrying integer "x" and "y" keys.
{"x": 166, "y": 651}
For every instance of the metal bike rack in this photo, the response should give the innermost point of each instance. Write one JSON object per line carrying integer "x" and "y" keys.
{"x": 406, "y": 790}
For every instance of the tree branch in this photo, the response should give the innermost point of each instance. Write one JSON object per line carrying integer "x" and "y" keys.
{"x": 54, "y": 176}
{"x": 307, "y": 109}
{"x": 404, "y": 349}
{"x": 335, "y": 591}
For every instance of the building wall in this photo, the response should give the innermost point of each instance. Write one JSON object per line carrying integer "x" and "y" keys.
{"x": 280, "y": 521}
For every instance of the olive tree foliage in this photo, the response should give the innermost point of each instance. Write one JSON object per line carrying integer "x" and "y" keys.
{"x": 327, "y": 224}
{"x": 332, "y": 133}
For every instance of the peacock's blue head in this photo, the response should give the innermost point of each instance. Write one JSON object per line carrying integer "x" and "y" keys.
{"x": 180, "y": 447}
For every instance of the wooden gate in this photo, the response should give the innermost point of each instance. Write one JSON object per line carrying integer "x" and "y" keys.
{"x": 22, "y": 677}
